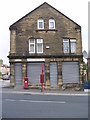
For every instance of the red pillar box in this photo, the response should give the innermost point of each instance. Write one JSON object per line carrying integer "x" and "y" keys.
{"x": 26, "y": 82}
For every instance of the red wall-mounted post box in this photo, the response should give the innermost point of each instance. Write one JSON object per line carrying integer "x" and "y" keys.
{"x": 42, "y": 78}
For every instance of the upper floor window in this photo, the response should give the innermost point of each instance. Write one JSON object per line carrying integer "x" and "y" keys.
{"x": 73, "y": 45}
{"x": 69, "y": 46}
{"x": 32, "y": 45}
{"x": 39, "y": 45}
{"x": 66, "y": 45}
{"x": 51, "y": 24}
{"x": 36, "y": 46}
{"x": 40, "y": 24}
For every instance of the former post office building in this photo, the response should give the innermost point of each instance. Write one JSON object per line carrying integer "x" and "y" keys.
{"x": 46, "y": 36}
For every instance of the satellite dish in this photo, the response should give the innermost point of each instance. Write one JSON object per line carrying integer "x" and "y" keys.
{"x": 85, "y": 55}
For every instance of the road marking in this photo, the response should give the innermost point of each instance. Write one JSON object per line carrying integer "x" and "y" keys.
{"x": 42, "y": 101}
{"x": 32, "y": 101}
{"x": 12, "y": 100}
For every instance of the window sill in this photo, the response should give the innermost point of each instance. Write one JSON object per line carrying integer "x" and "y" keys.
{"x": 46, "y": 30}
{"x": 69, "y": 53}
{"x": 35, "y": 53}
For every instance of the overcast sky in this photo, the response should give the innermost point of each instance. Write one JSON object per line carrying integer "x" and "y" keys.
{"x": 13, "y": 10}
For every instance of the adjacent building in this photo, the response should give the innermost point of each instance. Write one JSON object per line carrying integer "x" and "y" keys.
{"x": 46, "y": 36}
{"x": 4, "y": 69}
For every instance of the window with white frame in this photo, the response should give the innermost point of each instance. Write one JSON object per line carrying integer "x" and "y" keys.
{"x": 66, "y": 45}
{"x": 69, "y": 45}
{"x": 36, "y": 46}
{"x": 51, "y": 24}
{"x": 32, "y": 46}
{"x": 73, "y": 45}
{"x": 39, "y": 45}
{"x": 40, "y": 24}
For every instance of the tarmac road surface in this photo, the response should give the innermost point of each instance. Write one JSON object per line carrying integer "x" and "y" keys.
{"x": 44, "y": 106}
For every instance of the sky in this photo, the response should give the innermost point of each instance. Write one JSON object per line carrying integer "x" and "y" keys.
{"x": 13, "y": 10}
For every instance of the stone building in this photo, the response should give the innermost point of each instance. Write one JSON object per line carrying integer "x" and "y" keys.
{"x": 46, "y": 36}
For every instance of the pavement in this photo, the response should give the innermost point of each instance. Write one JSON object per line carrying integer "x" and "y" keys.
{"x": 4, "y": 83}
{"x": 19, "y": 90}
{"x": 45, "y": 92}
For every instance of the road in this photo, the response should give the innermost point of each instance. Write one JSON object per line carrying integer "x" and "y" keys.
{"x": 44, "y": 106}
